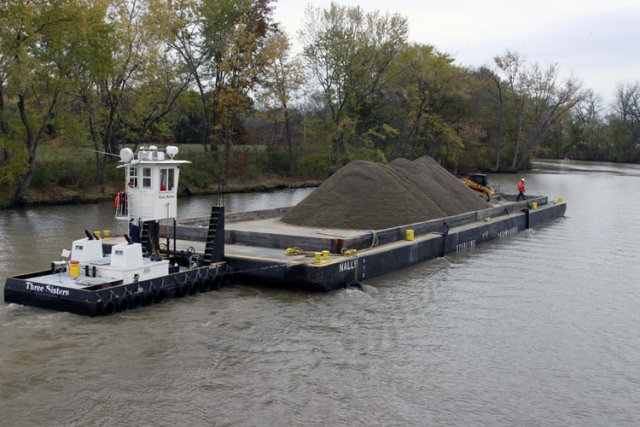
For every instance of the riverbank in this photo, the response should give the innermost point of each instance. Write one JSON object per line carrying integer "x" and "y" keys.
{"x": 58, "y": 195}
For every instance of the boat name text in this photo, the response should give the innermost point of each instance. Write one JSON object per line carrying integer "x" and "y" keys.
{"x": 348, "y": 265}
{"x": 48, "y": 288}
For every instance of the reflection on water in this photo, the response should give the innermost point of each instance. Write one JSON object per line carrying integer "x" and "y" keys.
{"x": 536, "y": 329}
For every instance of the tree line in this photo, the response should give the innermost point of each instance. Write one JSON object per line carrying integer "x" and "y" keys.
{"x": 221, "y": 74}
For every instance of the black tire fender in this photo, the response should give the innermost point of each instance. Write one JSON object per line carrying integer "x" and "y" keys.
{"x": 123, "y": 304}
{"x": 148, "y": 298}
{"x": 136, "y": 301}
{"x": 160, "y": 296}
{"x": 182, "y": 290}
{"x": 107, "y": 308}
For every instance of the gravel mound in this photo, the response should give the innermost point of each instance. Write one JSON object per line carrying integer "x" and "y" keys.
{"x": 371, "y": 196}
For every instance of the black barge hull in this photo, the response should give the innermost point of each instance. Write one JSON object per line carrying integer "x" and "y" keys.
{"x": 116, "y": 297}
{"x": 341, "y": 271}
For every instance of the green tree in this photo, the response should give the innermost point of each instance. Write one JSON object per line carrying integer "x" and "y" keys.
{"x": 428, "y": 94}
{"x": 511, "y": 65}
{"x": 221, "y": 42}
{"x": 107, "y": 89}
{"x": 549, "y": 101}
{"x": 200, "y": 33}
{"x": 537, "y": 100}
{"x": 283, "y": 79}
{"x": 44, "y": 44}
{"x": 348, "y": 52}
{"x": 624, "y": 122}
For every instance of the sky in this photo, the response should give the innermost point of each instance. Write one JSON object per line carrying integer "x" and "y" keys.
{"x": 596, "y": 41}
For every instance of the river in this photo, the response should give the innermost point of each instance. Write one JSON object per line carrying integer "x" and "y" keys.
{"x": 540, "y": 328}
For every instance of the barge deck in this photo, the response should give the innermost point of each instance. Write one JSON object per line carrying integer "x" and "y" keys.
{"x": 267, "y": 251}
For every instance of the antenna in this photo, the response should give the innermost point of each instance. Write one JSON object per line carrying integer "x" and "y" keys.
{"x": 100, "y": 152}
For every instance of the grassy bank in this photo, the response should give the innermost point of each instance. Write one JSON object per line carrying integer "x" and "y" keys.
{"x": 66, "y": 176}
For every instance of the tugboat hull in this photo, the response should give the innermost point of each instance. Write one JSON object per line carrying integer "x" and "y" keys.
{"x": 108, "y": 298}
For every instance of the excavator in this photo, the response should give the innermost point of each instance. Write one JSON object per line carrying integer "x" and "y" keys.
{"x": 478, "y": 182}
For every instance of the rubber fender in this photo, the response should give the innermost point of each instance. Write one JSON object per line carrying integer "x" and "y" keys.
{"x": 148, "y": 298}
{"x": 226, "y": 279}
{"x": 160, "y": 296}
{"x": 123, "y": 304}
{"x": 107, "y": 308}
{"x": 216, "y": 283}
{"x": 194, "y": 287}
{"x": 136, "y": 300}
{"x": 210, "y": 283}
{"x": 182, "y": 290}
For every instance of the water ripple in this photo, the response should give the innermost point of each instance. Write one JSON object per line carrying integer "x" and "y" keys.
{"x": 535, "y": 329}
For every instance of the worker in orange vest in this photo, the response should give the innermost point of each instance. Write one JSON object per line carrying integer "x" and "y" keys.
{"x": 520, "y": 190}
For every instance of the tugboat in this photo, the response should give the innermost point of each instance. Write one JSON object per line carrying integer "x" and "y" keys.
{"x": 100, "y": 276}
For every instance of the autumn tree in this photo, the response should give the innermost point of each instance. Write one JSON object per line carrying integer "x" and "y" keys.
{"x": 587, "y": 127}
{"x": 537, "y": 99}
{"x": 200, "y": 33}
{"x": 4, "y": 127}
{"x": 44, "y": 44}
{"x": 283, "y": 79}
{"x": 426, "y": 96}
{"x": 511, "y": 65}
{"x": 624, "y": 122}
{"x": 348, "y": 52}
{"x": 221, "y": 43}
{"x": 133, "y": 87}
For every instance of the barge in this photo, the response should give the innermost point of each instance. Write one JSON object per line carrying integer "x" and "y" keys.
{"x": 161, "y": 258}
{"x": 261, "y": 249}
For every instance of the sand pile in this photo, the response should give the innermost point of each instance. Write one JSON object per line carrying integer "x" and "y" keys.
{"x": 372, "y": 196}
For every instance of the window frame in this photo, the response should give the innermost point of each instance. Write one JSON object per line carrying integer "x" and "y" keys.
{"x": 146, "y": 179}
{"x": 167, "y": 177}
{"x": 133, "y": 176}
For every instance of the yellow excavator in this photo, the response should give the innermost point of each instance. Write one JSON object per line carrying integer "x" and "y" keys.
{"x": 478, "y": 182}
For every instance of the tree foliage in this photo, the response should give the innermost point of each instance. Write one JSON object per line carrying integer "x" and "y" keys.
{"x": 220, "y": 73}
{"x": 348, "y": 52}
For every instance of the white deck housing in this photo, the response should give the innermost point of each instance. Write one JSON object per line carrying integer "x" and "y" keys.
{"x": 85, "y": 250}
{"x": 151, "y": 185}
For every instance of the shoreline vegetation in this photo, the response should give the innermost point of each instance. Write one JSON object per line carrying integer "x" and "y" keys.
{"x": 81, "y": 80}
{"x": 75, "y": 196}
{"x": 63, "y": 174}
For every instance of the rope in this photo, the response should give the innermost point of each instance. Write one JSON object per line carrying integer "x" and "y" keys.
{"x": 297, "y": 251}
{"x": 374, "y": 239}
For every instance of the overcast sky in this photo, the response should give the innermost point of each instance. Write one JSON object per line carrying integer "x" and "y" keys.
{"x": 597, "y": 41}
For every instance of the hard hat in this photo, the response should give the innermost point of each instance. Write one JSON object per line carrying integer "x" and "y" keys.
{"x": 522, "y": 179}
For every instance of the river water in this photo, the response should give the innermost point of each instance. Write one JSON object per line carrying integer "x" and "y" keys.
{"x": 540, "y": 328}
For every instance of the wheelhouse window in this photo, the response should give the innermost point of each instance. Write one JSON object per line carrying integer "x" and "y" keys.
{"x": 146, "y": 177}
{"x": 167, "y": 179}
{"x": 133, "y": 177}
